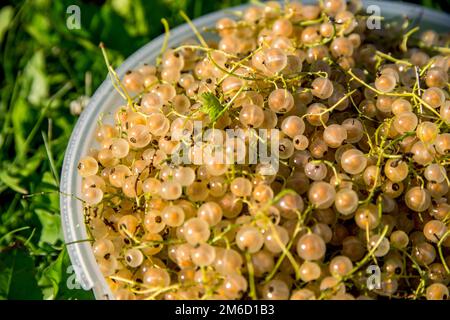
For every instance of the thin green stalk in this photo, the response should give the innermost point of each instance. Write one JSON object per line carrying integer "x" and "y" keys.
{"x": 48, "y": 149}
{"x": 251, "y": 280}
{"x": 61, "y": 92}
{"x": 166, "y": 40}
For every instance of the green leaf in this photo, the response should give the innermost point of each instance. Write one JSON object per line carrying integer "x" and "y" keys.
{"x": 21, "y": 120}
{"x": 6, "y": 15}
{"x": 17, "y": 276}
{"x": 140, "y": 18}
{"x": 31, "y": 164}
{"x": 51, "y": 226}
{"x": 211, "y": 106}
{"x": 108, "y": 24}
{"x": 52, "y": 276}
{"x": 48, "y": 184}
{"x": 11, "y": 182}
{"x": 431, "y": 4}
{"x": 60, "y": 275}
{"x": 122, "y": 7}
{"x": 134, "y": 14}
{"x": 35, "y": 73}
{"x": 39, "y": 27}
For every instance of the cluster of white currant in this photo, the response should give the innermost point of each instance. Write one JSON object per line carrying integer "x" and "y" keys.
{"x": 363, "y": 175}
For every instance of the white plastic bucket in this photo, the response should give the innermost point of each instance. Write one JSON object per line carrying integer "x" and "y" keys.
{"x": 105, "y": 101}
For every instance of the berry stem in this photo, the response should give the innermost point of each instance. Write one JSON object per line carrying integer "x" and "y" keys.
{"x": 166, "y": 40}
{"x": 251, "y": 277}
{"x": 194, "y": 29}
{"x": 441, "y": 254}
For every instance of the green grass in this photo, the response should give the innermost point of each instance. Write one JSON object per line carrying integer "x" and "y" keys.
{"x": 44, "y": 67}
